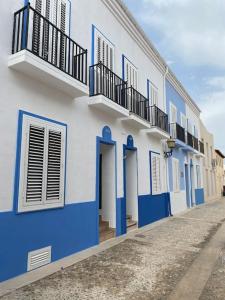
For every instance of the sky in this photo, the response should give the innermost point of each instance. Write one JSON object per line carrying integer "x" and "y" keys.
{"x": 190, "y": 36}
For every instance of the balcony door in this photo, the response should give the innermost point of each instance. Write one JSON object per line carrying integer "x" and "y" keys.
{"x": 48, "y": 41}
{"x": 173, "y": 120}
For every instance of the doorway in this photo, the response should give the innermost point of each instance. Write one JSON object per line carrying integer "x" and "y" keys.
{"x": 131, "y": 189}
{"x": 107, "y": 192}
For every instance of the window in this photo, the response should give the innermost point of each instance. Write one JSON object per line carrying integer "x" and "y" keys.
{"x": 104, "y": 50}
{"x": 156, "y": 173}
{"x": 173, "y": 119}
{"x": 183, "y": 121}
{"x": 153, "y": 94}
{"x": 176, "y": 175}
{"x": 130, "y": 73}
{"x": 198, "y": 177}
{"x": 42, "y": 165}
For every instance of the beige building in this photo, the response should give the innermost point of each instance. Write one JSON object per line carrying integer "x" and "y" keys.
{"x": 209, "y": 171}
{"x": 219, "y": 168}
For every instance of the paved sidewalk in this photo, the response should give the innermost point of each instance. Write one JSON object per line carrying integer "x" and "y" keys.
{"x": 146, "y": 265}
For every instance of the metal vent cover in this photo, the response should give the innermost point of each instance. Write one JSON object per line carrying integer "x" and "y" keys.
{"x": 39, "y": 258}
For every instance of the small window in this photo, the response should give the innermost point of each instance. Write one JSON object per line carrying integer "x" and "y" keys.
{"x": 156, "y": 173}
{"x": 130, "y": 73}
{"x": 42, "y": 165}
{"x": 176, "y": 175}
{"x": 104, "y": 50}
{"x": 153, "y": 94}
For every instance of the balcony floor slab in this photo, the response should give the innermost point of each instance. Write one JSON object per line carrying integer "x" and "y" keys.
{"x": 33, "y": 66}
{"x": 108, "y": 106}
{"x": 136, "y": 121}
{"x": 158, "y": 133}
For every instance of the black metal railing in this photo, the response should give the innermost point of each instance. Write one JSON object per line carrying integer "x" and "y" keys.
{"x": 35, "y": 33}
{"x": 158, "y": 118}
{"x": 137, "y": 103}
{"x": 201, "y": 147}
{"x": 190, "y": 140}
{"x": 103, "y": 81}
{"x": 196, "y": 143}
{"x": 177, "y": 132}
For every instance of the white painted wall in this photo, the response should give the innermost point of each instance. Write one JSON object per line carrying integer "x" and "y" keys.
{"x": 178, "y": 202}
{"x": 19, "y": 91}
{"x": 131, "y": 185}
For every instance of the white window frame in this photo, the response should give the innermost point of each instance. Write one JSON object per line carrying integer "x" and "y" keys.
{"x": 23, "y": 206}
{"x": 158, "y": 178}
{"x": 176, "y": 175}
{"x": 132, "y": 69}
{"x": 183, "y": 120}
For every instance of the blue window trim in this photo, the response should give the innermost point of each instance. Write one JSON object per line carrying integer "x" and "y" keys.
{"x": 150, "y": 167}
{"x": 70, "y": 13}
{"x": 93, "y": 42}
{"x": 18, "y": 157}
{"x": 105, "y": 141}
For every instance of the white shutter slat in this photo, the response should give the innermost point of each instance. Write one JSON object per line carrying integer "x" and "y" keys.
{"x": 35, "y": 164}
{"x": 54, "y": 165}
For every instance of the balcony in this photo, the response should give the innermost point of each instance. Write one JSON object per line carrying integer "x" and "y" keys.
{"x": 44, "y": 52}
{"x": 137, "y": 104}
{"x": 190, "y": 140}
{"x": 201, "y": 147}
{"x": 196, "y": 143}
{"x": 177, "y": 132}
{"x": 107, "y": 91}
{"x": 159, "y": 122}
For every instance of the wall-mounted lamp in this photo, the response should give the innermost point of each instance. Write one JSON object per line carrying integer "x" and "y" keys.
{"x": 171, "y": 145}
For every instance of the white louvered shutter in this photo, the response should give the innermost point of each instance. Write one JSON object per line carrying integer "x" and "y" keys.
{"x": 104, "y": 51}
{"x": 37, "y": 27}
{"x": 131, "y": 74}
{"x": 54, "y": 166}
{"x": 153, "y": 94}
{"x": 156, "y": 174}
{"x": 42, "y": 165}
{"x": 176, "y": 175}
{"x": 35, "y": 164}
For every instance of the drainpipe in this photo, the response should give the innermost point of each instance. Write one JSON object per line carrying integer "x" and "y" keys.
{"x": 167, "y": 160}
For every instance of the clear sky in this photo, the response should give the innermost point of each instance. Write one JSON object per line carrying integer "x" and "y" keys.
{"x": 190, "y": 35}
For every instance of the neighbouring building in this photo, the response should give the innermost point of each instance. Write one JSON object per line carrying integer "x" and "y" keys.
{"x": 218, "y": 164}
{"x": 209, "y": 173}
{"x": 86, "y": 102}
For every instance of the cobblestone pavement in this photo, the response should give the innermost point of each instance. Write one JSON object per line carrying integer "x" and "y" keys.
{"x": 143, "y": 266}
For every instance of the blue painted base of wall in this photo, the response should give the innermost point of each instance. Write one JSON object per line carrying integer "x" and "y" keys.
{"x": 68, "y": 230}
{"x": 121, "y": 226}
{"x": 152, "y": 208}
{"x": 199, "y": 196}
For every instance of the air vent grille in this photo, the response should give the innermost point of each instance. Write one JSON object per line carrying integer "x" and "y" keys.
{"x": 38, "y": 258}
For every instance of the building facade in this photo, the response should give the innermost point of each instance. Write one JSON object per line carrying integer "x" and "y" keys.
{"x": 218, "y": 165}
{"x": 84, "y": 107}
{"x": 209, "y": 172}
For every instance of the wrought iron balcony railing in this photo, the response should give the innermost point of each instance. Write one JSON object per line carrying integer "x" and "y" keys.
{"x": 190, "y": 140}
{"x": 137, "y": 103}
{"x": 36, "y": 34}
{"x": 196, "y": 143}
{"x": 177, "y": 132}
{"x": 158, "y": 118}
{"x": 105, "y": 82}
{"x": 201, "y": 147}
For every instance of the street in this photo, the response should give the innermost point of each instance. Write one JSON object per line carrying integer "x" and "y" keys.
{"x": 182, "y": 257}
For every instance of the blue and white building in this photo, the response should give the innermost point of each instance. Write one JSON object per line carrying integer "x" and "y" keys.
{"x": 186, "y": 163}
{"x": 84, "y": 118}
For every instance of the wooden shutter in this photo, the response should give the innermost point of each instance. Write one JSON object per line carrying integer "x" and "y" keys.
{"x": 54, "y": 164}
{"x": 130, "y": 73}
{"x": 104, "y": 51}
{"x": 42, "y": 165}
{"x": 37, "y": 27}
{"x": 156, "y": 174}
{"x": 153, "y": 93}
{"x": 176, "y": 175}
{"x": 35, "y": 164}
